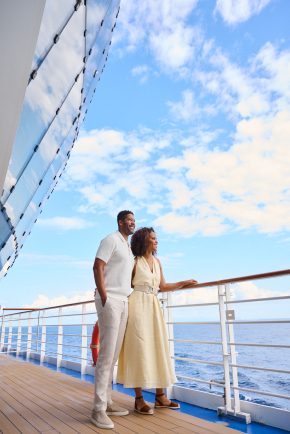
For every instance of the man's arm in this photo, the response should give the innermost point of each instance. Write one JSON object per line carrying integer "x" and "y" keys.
{"x": 99, "y": 270}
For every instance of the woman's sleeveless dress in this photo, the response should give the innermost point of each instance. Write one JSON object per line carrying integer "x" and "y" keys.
{"x": 144, "y": 359}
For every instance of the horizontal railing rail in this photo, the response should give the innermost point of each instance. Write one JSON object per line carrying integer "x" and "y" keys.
{"x": 231, "y": 280}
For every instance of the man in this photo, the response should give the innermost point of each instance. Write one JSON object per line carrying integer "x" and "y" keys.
{"x": 112, "y": 271}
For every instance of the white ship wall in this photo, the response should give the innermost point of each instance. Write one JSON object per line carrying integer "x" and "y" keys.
{"x": 70, "y": 56}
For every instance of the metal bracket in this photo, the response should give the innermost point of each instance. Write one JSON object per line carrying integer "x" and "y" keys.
{"x": 245, "y": 417}
{"x": 230, "y": 315}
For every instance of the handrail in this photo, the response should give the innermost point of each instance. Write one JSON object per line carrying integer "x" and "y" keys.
{"x": 29, "y": 310}
{"x": 20, "y": 308}
{"x": 197, "y": 285}
{"x": 238, "y": 279}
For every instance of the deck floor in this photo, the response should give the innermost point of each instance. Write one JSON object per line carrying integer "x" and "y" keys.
{"x": 34, "y": 399}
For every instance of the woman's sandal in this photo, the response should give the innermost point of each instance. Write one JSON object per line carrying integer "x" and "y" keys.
{"x": 143, "y": 410}
{"x": 159, "y": 403}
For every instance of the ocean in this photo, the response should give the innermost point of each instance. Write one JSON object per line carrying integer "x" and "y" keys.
{"x": 266, "y": 357}
{"x": 277, "y": 358}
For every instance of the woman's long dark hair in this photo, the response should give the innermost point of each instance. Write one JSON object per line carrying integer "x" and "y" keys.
{"x": 140, "y": 241}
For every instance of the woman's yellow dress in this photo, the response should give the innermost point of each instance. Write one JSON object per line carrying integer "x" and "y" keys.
{"x": 144, "y": 359}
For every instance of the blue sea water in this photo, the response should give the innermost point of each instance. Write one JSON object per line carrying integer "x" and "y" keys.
{"x": 266, "y": 357}
{"x": 277, "y": 358}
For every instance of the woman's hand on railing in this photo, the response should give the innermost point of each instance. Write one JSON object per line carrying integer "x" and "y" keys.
{"x": 188, "y": 283}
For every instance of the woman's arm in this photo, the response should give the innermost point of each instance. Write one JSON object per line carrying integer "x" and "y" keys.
{"x": 171, "y": 286}
{"x": 133, "y": 272}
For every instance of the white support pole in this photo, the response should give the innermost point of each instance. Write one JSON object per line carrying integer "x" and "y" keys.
{"x": 170, "y": 331}
{"x": 29, "y": 337}
{"x": 37, "y": 332}
{"x": 3, "y": 329}
{"x": 43, "y": 338}
{"x": 84, "y": 352}
{"x": 19, "y": 330}
{"x": 9, "y": 337}
{"x": 59, "y": 338}
{"x": 226, "y": 362}
{"x": 230, "y": 315}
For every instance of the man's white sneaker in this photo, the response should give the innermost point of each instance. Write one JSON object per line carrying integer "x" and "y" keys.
{"x": 101, "y": 420}
{"x": 115, "y": 410}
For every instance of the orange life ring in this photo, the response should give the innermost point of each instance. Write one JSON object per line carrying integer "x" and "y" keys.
{"x": 95, "y": 343}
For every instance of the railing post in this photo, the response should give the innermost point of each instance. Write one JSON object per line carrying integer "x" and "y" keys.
{"x": 37, "y": 333}
{"x": 2, "y": 342}
{"x": 43, "y": 338}
{"x": 226, "y": 315}
{"x": 19, "y": 335}
{"x": 59, "y": 339}
{"x": 29, "y": 337}
{"x": 168, "y": 317}
{"x": 230, "y": 315}
{"x": 9, "y": 336}
{"x": 84, "y": 352}
{"x": 228, "y": 404}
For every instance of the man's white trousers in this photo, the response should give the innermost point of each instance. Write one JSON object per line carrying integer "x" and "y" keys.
{"x": 112, "y": 320}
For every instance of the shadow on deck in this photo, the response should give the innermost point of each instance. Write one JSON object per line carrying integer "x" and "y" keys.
{"x": 34, "y": 399}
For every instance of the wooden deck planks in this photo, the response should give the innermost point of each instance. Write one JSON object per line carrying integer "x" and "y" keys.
{"x": 5, "y": 424}
{"x": 34, "y": 399}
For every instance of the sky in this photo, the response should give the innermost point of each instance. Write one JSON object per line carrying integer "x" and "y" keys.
{"x": 189, "y": 129}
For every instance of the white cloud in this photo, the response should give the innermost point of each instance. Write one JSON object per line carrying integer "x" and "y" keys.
{"x": 202, "y": 189}
{"x": 173, "y": 49}
{"x": 108, "y": 168}
{"x": 214, "y": 176}
{"x": 43, "y": 300}
{"x": 64, "y": 223}
{"x": 141, "y": 71}
{"x": 249, "y": 290}
{"x": 64, "y": 260}
{"x": 163, "y": 27}
{"x": 247, "y": 185}
{"x": 234, "y": 12}
{"x": 190, "y": 108}
{"x": 187, "y": 225}
{"x": 275, "y": 65}
{"x": 181, "y": 196}
{"x": 186, "y": 109}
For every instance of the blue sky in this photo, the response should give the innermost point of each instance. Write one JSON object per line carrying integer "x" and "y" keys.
{"x": 190, "y": 129}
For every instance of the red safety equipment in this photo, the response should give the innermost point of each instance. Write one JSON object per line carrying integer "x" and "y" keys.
{"x": 95, "y": 343}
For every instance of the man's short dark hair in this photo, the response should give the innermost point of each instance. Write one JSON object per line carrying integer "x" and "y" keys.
{"x": 123, "y": 214}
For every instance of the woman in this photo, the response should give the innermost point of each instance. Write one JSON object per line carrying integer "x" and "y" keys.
{"x": 144, "y": 361}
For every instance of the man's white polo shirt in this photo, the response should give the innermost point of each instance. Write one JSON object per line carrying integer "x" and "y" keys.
{"x": 116, "y": 252}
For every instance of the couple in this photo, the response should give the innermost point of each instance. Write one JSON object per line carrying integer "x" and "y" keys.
{"x": 144, "y": 361}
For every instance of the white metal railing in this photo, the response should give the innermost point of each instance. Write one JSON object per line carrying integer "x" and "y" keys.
{"x": 47, "y": 333}
{"x": 228, "y": 345}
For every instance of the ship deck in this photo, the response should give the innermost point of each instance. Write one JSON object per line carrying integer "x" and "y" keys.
{"x": 34, "y": 399}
